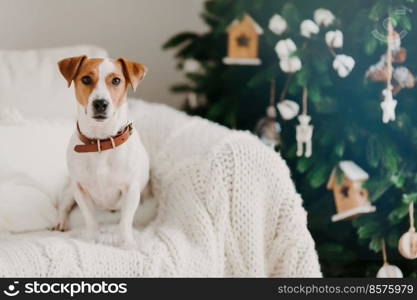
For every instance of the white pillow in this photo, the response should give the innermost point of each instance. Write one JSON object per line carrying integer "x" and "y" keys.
{"x": 33, "y": 173}
{"x": 24, "y": 206}
{"x": 30, "y": 81}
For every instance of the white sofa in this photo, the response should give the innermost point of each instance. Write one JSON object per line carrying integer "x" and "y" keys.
{"x": 226, "y": 203}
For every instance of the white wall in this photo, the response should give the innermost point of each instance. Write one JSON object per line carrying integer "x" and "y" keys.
{"x": 132, "y": 28}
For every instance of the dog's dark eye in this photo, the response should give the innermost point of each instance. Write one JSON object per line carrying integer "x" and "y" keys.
{"x": 86, "y": 80}
{"x": 115, "y": 81}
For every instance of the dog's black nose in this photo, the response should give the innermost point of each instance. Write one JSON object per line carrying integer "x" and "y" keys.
{"x": 100, "y": 105}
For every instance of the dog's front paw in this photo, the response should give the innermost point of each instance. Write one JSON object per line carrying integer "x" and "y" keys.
{"x": 62, "y": 225}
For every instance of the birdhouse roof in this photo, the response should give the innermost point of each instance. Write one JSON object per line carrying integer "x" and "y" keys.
{"x": 351, "y": 170}
{"x": 256, "y": 26}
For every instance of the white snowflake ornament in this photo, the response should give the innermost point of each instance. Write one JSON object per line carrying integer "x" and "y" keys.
{"x": 304, "y": 135}
{"x": 388, "y": 106}
{"x": 308, "y": 27}
{"x": 277, "y": 24}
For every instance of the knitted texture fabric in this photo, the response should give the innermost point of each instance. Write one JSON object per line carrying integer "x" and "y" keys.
{"x": 227, "y": 207}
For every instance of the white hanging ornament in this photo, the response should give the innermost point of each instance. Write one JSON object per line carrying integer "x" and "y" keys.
{"x": 387, "y": 270}
{"x": 277, "y": 24}
{"x": 192, "y": 100}
{"x": 267, "y": 128}
{"x": 334, "y": 39}
{"x": 285, "y": 48}
{"x": 404, "y": 77}
{"x": 308, "y": 28}
{"x": 290, "y": 64}
{"x": 388, "y": 106}
{"x": 323, "y": 17}
{"x": 191, "y": 66}
{"x": 288, "y": 109}
{"x": 407, "y": 245}
{"x": 343, "y": 65}
{"x": 304, "y": 131}
{"x": 304, "y": 136}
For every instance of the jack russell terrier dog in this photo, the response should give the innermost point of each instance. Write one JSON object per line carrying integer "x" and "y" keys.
{"x": 108, "y": 165}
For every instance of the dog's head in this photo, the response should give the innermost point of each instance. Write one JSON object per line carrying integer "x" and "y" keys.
{"x": 101, "y": 84}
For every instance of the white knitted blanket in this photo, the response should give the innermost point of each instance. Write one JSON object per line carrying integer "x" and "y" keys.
{"x": 227, "y": 207}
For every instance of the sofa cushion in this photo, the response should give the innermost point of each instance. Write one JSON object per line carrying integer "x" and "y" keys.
{"x": 30, "y": 81}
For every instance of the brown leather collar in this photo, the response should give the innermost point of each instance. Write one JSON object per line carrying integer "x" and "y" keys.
{"x": 98, "y": 145}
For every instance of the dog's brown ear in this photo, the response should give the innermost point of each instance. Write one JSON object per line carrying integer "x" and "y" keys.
{"x": 69, "y": 67}
{"x": 134, "y": 72}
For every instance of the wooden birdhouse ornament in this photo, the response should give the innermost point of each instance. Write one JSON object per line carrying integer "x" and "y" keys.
{"x": 243, "y": 42}
{"x": 350, "y": 197}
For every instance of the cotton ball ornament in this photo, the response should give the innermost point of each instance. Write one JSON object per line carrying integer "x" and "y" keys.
{"x": 389, "y": 271}
{"x": 308, "y": 27}
{"x": 284, "y": 48}
{"x": 288, "y": 109}
{"x": 277, "y": 24}
{"x": 343, "y": 65}
{"x": 334, "y": 39}
{"x": 404, "y": 77}
{"x": 323, "y": 17}
{"x": 290, "y": 65}
{"x": 191, "y": 66}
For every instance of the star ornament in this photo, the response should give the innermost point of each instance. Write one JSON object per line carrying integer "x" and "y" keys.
{"x": 243, "y": 40}
{"x": 388, "y": 106}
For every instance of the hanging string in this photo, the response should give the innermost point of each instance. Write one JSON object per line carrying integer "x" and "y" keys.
{"x": 272, "y": 93}
{"x": 411, "y": 212}
{"x": 384, "y": 252}
{"x": 270, "y": 110}
{"x": 390, "y": 41}
{"x": 305, "y": 94}
{"x": 285, "y": 88}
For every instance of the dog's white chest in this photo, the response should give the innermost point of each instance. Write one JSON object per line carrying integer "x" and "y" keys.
{"x": 106, "y": 175}
{"x": 103, "y": 179}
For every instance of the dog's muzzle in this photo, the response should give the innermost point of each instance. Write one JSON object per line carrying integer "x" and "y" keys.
{"x": 100, "y": 109}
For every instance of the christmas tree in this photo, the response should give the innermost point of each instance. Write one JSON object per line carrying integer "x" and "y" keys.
{"x": 345, "y": 110}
